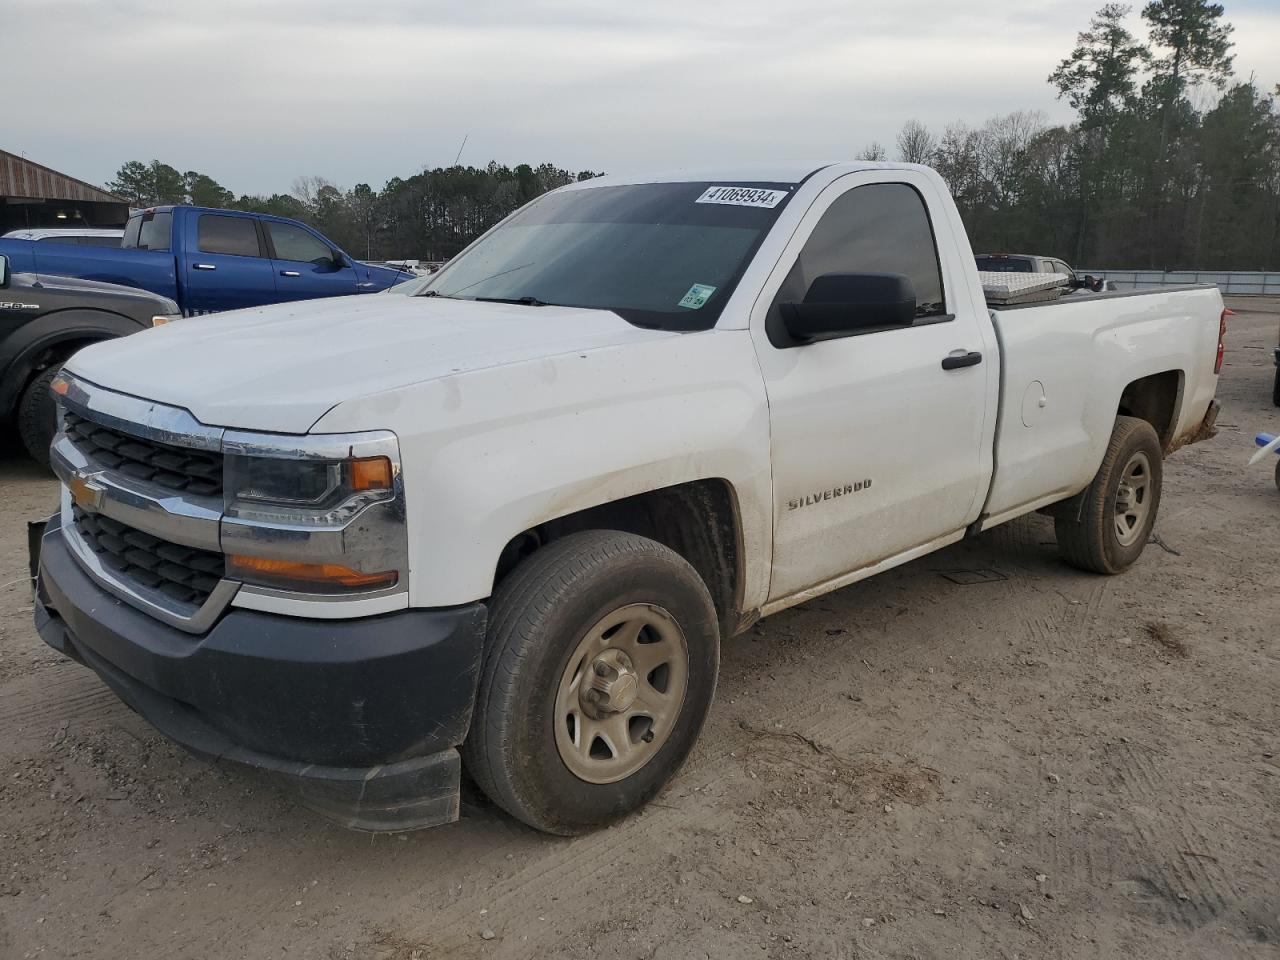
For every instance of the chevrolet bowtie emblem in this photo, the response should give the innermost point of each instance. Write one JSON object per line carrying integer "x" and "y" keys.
{"x": 86, "y": 491}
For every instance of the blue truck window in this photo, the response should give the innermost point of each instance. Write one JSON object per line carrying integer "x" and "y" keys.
{"x": 294, "y": 243}
{"x": 148, "y": 231}
{"x": 235, "y": 236}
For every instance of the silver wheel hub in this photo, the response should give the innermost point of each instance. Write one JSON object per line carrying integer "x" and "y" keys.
{"x": 621, "y": 693}
{"x": 611, "y": 685}
{"x": 1133, "y": 499}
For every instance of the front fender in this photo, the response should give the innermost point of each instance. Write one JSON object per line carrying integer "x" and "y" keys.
{"x": 492, "y": 453}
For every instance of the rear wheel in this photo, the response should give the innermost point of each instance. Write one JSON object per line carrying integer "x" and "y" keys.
{"x": 601, "y": 663}
{"x": 37, "y": 415}
{"x": 1119, "y": 507}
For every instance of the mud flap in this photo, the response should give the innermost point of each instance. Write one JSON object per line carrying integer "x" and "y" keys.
{"x": 35, "y": 534}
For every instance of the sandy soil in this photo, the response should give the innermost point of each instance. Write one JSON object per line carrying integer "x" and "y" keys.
{"x": 1038, "y": 764}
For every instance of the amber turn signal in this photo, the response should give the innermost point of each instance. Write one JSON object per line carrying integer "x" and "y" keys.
{"x": 293, "y": 575}
{"x": 371, "y": 473}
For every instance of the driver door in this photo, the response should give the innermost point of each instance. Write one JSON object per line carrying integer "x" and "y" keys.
{"x": 877, "y": 450}
{"x": 307, "y": 267}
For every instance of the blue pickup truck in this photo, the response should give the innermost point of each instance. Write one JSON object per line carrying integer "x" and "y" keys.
{"x": 209, "y": 260}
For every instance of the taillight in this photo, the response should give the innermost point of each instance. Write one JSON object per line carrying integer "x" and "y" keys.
{"x": 1222, "y": 336}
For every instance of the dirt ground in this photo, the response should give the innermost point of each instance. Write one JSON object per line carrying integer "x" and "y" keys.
{"x": 1015, "y": 760}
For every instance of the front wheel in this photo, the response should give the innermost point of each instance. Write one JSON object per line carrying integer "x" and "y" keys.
{"x": 1119, "y": 507}
{"x": 38, "y": 416}
{"x": 1275, "y": 389}
{"x": 601, "y": 663}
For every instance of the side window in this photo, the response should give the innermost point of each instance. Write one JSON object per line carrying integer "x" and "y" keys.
{"x": 879, "y": 228}
{"x": 236, "y": 236}
{"x": 294, "y": 243}
{"x": 147, "y": 231}
{"x": 155, "y": 232}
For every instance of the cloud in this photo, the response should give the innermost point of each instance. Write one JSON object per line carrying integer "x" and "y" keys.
{"x": 256, "y": 94}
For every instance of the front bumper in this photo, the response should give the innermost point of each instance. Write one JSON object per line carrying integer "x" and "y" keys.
{"x": 363, "y": 715}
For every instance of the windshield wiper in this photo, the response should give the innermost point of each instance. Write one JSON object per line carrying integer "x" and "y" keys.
{"x": 525, "y": 301}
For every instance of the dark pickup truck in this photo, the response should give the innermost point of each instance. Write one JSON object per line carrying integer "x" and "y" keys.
{"x": 208, "y": 260}
{"x": 43, "y": 320}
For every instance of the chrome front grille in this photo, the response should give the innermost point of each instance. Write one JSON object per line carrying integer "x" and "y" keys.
{"x": 144, "y": 512}
{"x": 181, "y": 469}
{"x": 185, "y": 574}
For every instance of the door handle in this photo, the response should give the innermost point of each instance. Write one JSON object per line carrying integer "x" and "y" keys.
{"x": 290, "y": 273}
{"x": 957, "y": 360}
{"x": 203, "y": 266}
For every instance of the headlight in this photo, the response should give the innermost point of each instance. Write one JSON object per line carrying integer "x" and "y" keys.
{"x": 305, "y": 491}
{"x": 320, "y": 515}
{"x": 314, "y": 484}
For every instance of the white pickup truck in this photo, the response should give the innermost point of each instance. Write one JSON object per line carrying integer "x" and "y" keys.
{"x": 507, "y": 521}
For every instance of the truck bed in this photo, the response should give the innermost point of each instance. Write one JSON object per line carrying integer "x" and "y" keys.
{"x": 151, "y": 270}
{"x": 1065, "y": 366}
{"x": 1081, "y": 296}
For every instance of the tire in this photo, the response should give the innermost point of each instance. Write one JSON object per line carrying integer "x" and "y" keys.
{"x": 1094, "y": 540}
{"x": 37, "y": 415}
{"x": 542, "y": 617}
{"x": 1275, "y": 388}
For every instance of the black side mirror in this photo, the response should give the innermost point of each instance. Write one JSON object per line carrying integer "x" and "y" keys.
{"x": 848, "y": 302}
{"x": 339, "y": 260}
{"x": 4, "y": 272}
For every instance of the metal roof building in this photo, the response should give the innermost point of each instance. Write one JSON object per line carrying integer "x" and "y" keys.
{"x": 32, "y": 195}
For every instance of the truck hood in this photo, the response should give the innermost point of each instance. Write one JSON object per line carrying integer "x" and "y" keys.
{"x": 281, "y": 368}
{"x": 105, "y": 291}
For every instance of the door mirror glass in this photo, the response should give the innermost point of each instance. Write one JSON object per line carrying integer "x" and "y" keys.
{"x": 838, "y": 303}
{"x": 4, "y": 272}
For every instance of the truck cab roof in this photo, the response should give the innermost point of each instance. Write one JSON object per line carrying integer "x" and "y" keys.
{"x": 744, "y": 173}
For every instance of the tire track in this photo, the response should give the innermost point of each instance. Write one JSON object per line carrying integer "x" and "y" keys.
{"x": 43, "y": 699}
{"x": 1177, "y": 862}
{"x": 1087, "y": 613}
{"x": 1064, "y": 846}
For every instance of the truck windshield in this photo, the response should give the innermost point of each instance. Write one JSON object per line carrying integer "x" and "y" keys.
{"x": 148, "y": 231}
{"x": 664, "y": 255}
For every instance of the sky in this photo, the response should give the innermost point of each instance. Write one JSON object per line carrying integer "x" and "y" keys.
{"x": 256, "y": 94}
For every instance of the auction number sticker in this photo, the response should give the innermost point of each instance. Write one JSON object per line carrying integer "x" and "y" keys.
{"x": 742, "y": 196}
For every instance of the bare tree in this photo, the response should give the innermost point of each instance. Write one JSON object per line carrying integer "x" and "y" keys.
{"x": 873, "y": 151}
{"x": 916, "y": 144}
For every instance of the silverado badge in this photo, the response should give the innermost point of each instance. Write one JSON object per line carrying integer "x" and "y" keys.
{"x": 810, "y": 499}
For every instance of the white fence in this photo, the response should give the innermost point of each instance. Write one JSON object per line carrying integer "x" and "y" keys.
{"x": 1236, "y": 282}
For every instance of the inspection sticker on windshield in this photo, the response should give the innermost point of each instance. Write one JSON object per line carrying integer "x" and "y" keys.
{"x": 698, "y": 294}
{"x": 742, "y": 196}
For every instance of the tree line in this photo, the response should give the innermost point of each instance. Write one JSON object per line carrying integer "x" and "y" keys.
{"x": 429, "y": 216}
{"x": 1171, "y": 162}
